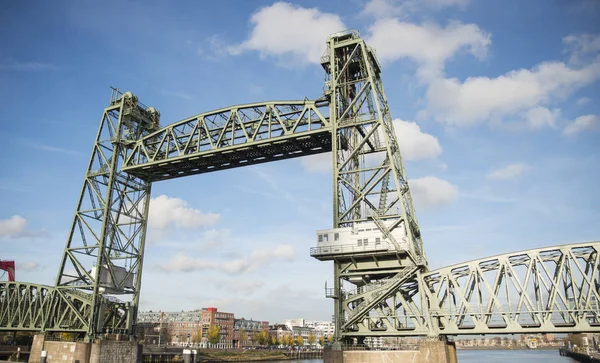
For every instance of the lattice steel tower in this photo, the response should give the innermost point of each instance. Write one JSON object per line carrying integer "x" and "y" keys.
{"x": 376, "y": 243}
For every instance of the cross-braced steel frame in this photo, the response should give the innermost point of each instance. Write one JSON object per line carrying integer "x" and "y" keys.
{"x": 384, "y": 292}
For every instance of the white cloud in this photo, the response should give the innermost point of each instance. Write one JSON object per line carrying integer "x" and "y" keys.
{"x": 414, "y": 143}
{"x": 258, "y": 259}
{"x": 540, "y": 117}
{"x": 319, "y": 163}
{"x": 582, "y": 47}
{"x": 428, "y": 44}
{"x": 16, "y": 227}
{"x": 479, "y": 99}
{"x": 166, "y": 212}
{"x": 508, "y": 172}
{"x": 430, "y": 192}
{"x": 294, "y": 35}
{"x": 582, "y": 123}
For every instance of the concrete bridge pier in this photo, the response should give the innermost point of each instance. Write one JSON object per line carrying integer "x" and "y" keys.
{"x": 430, "y": 351}
{"x": 99, "y": 351}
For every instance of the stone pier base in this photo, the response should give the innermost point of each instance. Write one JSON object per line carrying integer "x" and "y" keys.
{"x": 429, "y": 352}
{"x": 101, "y": 351}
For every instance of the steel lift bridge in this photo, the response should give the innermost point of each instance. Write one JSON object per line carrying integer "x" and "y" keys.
{"x": 382, "y": 284}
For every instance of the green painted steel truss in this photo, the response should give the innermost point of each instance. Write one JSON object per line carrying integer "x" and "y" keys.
{"x": 232, "y": 137}
{"x": 32, "y": 307}
{"x": 545, "y": 290}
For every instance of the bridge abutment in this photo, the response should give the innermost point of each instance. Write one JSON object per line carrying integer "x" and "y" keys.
{"x": 430, "y": 351}
{"x": 100, "y": 351}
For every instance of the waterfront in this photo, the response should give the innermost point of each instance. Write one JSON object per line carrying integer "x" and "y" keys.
{"x": 520, "y": 356}
{"x": 488, "y": 356}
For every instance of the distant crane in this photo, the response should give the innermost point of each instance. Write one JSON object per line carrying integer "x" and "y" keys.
{"x": 8, "y": 266}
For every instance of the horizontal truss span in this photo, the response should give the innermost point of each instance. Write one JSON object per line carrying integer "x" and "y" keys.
{"x": 552, "y": 289}
{"x": 232, "y": 137}
{"x": 32, "y": 307}
{"x": 544, "y": 290}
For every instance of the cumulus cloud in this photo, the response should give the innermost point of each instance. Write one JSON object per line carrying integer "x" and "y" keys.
{"x": 414, "y": 143}
{"x": 582, "y": 47}
{"x": 166, "y": 212}
{"x": 431, "y": 192}
{"x": 16, "y": 227}
{"x": 294, "y": 35}
{"x": 428, "y": 44}
{"x": 582, "y": 123}
{"x": 520, "y": 92}
{"x": 540, "y": 117}
{"x": 182, "y": 262}
{"x": 508, "y": 172}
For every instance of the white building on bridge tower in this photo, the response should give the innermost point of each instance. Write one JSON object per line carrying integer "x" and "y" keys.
{"x": 362, "y": 238}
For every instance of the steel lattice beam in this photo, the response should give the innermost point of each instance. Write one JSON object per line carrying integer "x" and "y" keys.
{"x": 232, "y": 137}
{"x": 32, "y": 307}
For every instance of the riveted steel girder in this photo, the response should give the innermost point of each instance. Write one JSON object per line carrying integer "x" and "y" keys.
{"x": 32, "y": 307}
{"x": 232, "y": 137}
{"x": 545, "y": 290}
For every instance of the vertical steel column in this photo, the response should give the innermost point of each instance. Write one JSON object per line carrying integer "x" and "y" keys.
{"x": 369, "y": 185}
{"x": 104, "y": 252}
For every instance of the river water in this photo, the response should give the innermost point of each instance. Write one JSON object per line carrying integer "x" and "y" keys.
{"x": 491, "y": 356}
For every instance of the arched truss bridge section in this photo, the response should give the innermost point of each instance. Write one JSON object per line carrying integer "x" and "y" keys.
{"x": 231, "y": 137}
{"x": 554, "y": 289}
{"x": 32, "y": 307}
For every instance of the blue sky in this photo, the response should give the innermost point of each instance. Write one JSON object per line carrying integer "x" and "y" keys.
{"x": 495, "y": 106}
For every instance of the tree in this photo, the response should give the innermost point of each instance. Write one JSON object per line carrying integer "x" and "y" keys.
{"x": 214, "y": 334}
{"x": 287, "y": 340}
{"x": 197, "y": 336}
{"x": 322, "y": 340}
{"x": 67, "y": 337}
{"x": 312, "y": 339}
{"x": 243, "y": 336}
{"x": 299, "y": 340}
{"x": 330, "y": 338}
{"x": 273, "y": 339}
{"x": 262, "y": 337}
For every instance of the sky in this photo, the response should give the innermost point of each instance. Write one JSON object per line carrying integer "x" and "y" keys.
{"x": 495, "y": 106}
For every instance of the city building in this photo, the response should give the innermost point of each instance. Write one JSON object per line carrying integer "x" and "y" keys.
{"x": 281, "y": 331}
{"x": 210, "y": 317}
{"x": 250, "y": 328}
{"x": 189, "y": 327}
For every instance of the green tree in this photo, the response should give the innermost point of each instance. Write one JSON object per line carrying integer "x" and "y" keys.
{"x": 312, "y": 339}
{"x": 67, "y": 337}
{"x": 214, "y": 334}
{"x": 299, "y": 340}
{"x": 322, "y": 340}
{"x": 262, "y": 337}
{"x": 243, "y": 336}
{"x": 197, "y": 336}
